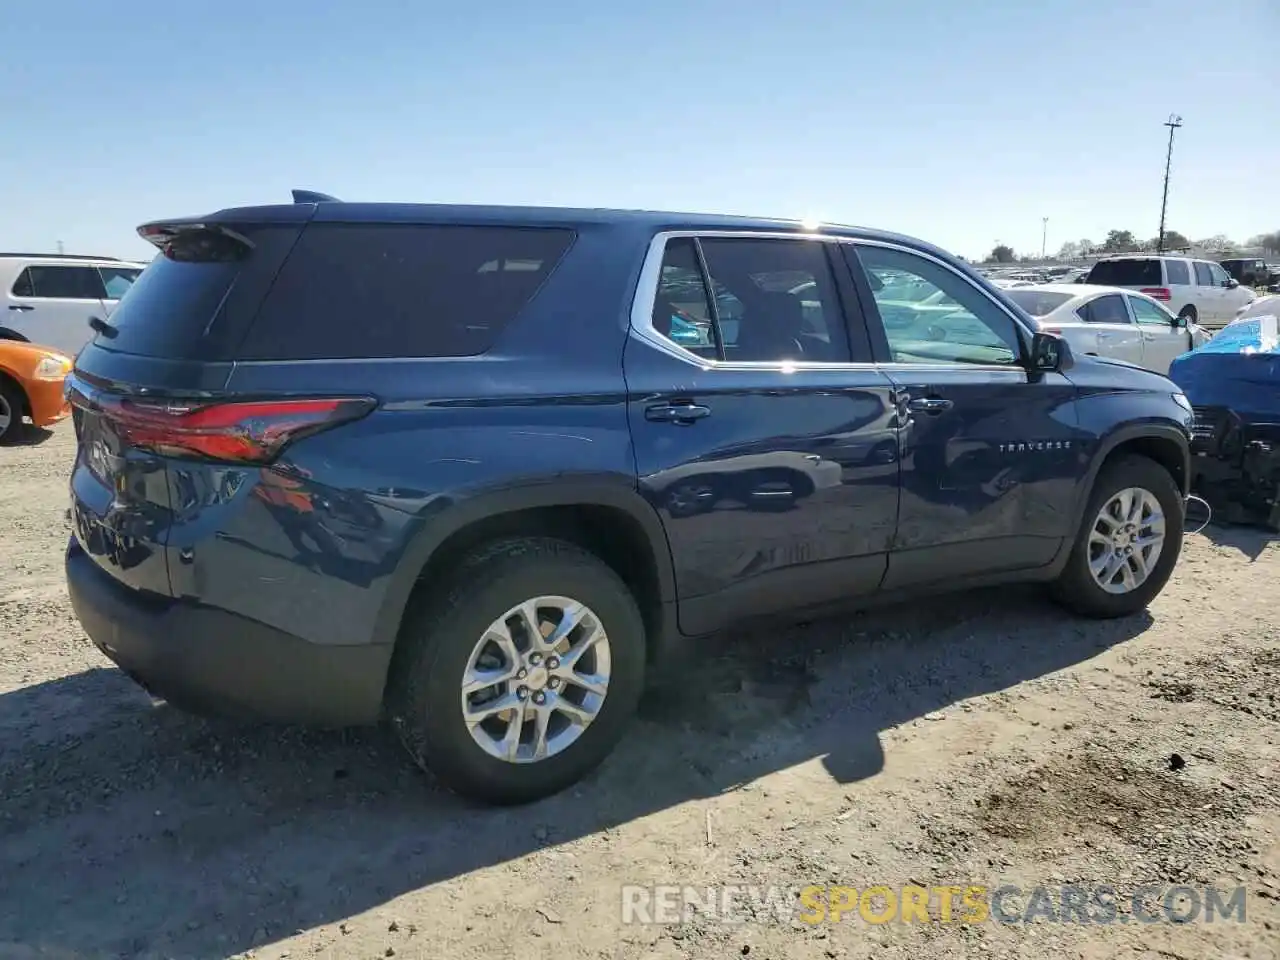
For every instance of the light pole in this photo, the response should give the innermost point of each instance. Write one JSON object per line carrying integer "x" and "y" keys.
{"x": 1044, "y": 237}
{"x": 1173, "y": 123}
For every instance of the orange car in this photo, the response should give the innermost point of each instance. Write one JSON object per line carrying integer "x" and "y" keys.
{"x": 31, "y": 379}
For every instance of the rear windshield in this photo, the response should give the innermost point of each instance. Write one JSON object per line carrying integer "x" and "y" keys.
{"x": 401, "y": 290}
{"x": 185, "y": 302}
{"x": 1126, "y": 273}
{"x": 1038, "y": 303}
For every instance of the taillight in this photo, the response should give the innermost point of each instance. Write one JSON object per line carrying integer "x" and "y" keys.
{"x": 253, "y": 431}
{"x": 1160, "y": 293}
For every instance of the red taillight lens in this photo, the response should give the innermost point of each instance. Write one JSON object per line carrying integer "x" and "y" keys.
{"x": 239, "y": 432}
{"x": 1160, "y": 293}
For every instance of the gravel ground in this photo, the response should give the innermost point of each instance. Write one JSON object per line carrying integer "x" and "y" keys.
{"x": 984, "y": 739}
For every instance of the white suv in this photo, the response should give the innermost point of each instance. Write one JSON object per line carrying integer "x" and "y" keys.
{"x": 1199, "y": 290}
{"x": 49, "y": 298}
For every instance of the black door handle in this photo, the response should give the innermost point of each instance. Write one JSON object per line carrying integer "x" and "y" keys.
{"x": 20, "y": 307}
{"x": 676, "y": 412}
{"x": 931, "y": 405}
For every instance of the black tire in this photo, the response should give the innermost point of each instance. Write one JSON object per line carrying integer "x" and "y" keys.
{"x": 1188, "y": 313}
{"x": 16, "y": 402}
{"x": 439, "y": 633}
{"x": 1076, "y": 588}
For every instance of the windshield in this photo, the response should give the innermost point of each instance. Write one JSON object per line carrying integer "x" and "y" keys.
{"x": 1038, "y": 303}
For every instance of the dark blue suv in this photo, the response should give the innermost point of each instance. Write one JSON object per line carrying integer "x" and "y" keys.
{"x": 474, "y": 469}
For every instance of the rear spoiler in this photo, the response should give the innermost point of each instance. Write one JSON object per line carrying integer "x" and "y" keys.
{"x": 160, "y": 232}
{"x": 311, "y": 196}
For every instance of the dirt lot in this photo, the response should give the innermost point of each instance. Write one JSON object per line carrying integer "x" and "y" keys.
{"x": 985, "y": 739}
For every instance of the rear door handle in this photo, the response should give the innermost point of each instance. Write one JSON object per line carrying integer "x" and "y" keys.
{"x": 933, "y": 405}
{"x": 21, "y": 307}
{"x": 676, "y": 412}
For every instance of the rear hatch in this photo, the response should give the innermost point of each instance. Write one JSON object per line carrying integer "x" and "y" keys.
{"x": 142, "y": 389}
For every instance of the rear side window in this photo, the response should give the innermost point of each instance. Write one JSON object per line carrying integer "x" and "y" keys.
{"x": 1179, "y": 276}
{"x": 59, "y": 283}
{"x": 1108, "y": 309}
{"x": 1126, "y": 273}
{"x": 1204, "y": 276}
{"x": 393, "y": 290}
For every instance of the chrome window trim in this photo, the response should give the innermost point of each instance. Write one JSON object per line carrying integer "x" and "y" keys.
{"x": 647, "y": 291}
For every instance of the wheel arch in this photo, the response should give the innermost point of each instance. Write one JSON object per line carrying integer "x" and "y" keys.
{"x": 1165, "y": 443}
{"x": 8, "y": 334}
{"x": 8, "y": 379}
{"x": 610, "y": 520}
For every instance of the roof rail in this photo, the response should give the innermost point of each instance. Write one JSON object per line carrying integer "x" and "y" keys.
{"x": 61, "y": 256}
{"x": 311, "y": 196}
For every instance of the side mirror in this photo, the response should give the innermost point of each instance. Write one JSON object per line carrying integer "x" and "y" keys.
{"x": 1231, "y": 283}
{"x": 1050, "y": 353}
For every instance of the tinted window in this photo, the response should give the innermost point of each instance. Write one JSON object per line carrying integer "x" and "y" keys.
{"x": 1038, "y": 303}
{"x": 1204, "y": 276}
{"x": 1126, "y": 273}
{"x": 61, "y": 283}
{"x": 118, "y": 280}
{"x": 1108, "y": 309}
{"x": 776, "y": 300}
{"x": 170, "y": 310}
{"x": 931, "y": 314}
{"x": 22, "y": 287}
{"x": 401, "y": 290}
{"x": 1144, "y": 311}
{"x": 1178, "y": 273}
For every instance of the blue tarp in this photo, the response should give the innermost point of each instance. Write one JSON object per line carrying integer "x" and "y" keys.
{"x": 1239, "y": 369}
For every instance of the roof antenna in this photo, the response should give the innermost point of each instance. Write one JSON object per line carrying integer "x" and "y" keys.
{"x": 311, "y": 196}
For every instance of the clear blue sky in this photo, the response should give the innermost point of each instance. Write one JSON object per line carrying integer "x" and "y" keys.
{"x": 961, "y": 122}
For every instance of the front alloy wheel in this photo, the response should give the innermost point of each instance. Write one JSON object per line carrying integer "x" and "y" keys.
{"x": 1126, "y": 540}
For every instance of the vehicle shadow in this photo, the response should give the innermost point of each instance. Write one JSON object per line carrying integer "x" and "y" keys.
{"x": 1250, "y": 541}
{"x": 127, "y": 827}
{"x": 29, "y": 436}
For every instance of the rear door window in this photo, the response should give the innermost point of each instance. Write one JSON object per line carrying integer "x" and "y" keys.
{"x": 1204, "y": 276}
{"x": 1126, "y": 273}
{"x": 1179, "y": 276}
{"x": 401, "y": 290}
{"x": 59, "y": 283}
{"x": 1108, "y": 309}
{"x": 776, "y": 300}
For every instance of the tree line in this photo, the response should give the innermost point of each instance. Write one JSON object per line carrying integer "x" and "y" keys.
{"x": 1123, "y": 241}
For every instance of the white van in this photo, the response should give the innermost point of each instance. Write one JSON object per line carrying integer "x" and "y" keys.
{"x": 1199, "y": 290}
{"x": 49, "y": 298}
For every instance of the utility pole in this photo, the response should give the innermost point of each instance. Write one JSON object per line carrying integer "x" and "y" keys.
{"x": 1173, "y": 123}
{"x": 1044, "y": 237}
{"x": 60, "y": 247}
